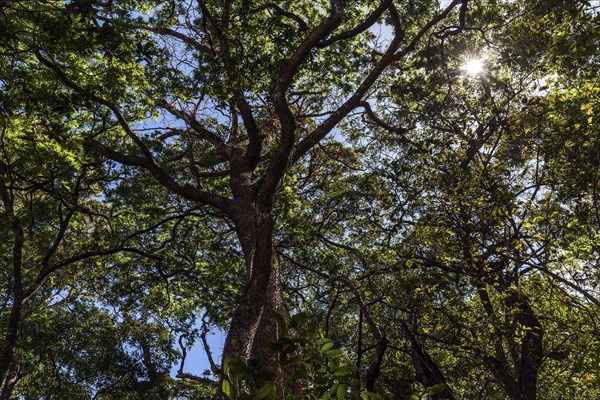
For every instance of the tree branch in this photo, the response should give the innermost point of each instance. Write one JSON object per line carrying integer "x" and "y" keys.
{"x": 287, "y": 69}
{"x": 181, "y": 36}
{"x": 204, "y": 133}
{"x": 186, "y": 375}
{"x": 381, "y": 123}
{"x": 570, "y": 284}
{"x": 213, "y": 366}
{"x": 381, "y": 341}
{"x": 413, "y": 44}
{"x": 284, "y": 13}
{"x": 351, "y": 103}
{"x": 115, "y": 110}
{"x": 147, "y": 161}
{"x": 366, "y": 24}
{"x": 187, "y": 191}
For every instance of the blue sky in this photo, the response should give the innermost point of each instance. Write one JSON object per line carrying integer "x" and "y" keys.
{"x": 196, "y": 361}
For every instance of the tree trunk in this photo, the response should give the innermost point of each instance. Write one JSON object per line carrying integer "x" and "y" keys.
{"x": 18, "y": 293}
{"x": 10, "y": 344}
{"x": 253, "y": 323}
{"x": 531, "y": 351}
{"x": 375, "y": 368}
{"x": 519, "y": 379}
{"x": 427, "y": 372}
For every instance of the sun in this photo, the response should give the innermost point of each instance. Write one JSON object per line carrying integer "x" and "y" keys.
{"x": 473, "y": 66}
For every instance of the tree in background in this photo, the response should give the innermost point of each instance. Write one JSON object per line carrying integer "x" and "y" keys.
{"x": 454, "y": 233}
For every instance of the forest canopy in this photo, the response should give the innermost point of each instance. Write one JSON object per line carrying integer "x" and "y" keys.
{"x": 395, "y": 199}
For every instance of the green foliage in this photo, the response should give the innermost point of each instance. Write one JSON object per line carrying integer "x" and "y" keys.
{"x": 307, "y": 366}
{"x": 454, "y": 216}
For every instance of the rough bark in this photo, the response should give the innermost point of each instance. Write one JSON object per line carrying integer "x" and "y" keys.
{"x": 375, "y": 368}
{"x": 520, "y": 378}
{"x": 428, "y": 373}
{"x": 18, "y": 293}
{"x": 10, "y": 344}
{"x": 253, "y": 324}
{"x": 531, "y": 349}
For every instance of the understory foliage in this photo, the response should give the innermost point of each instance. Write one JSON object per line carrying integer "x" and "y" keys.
{"x": 324, "y": 181}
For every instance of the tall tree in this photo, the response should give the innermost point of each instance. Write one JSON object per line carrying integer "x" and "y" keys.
{"x": 242, "y": 92}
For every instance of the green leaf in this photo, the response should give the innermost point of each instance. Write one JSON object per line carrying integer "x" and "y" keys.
{"x": 373, "y": 396}
{"x": 334, "y": 388}
{"x": 265, "y": 390}
{"x": 226, "y": 364}
{"x": 343, "y": 370}
{"x": 326, "y": 347}
{"x": 341, "y": 391}
{"x": 334, "y": 353}
{"x": 298, "y": 320}
{"x": 227, "y": 389}
{"x": 440, "y": 387}
{"x": 279, "y": 319}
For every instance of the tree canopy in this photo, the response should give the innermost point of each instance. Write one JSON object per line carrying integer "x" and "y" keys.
{"x": 375, "y": 200}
